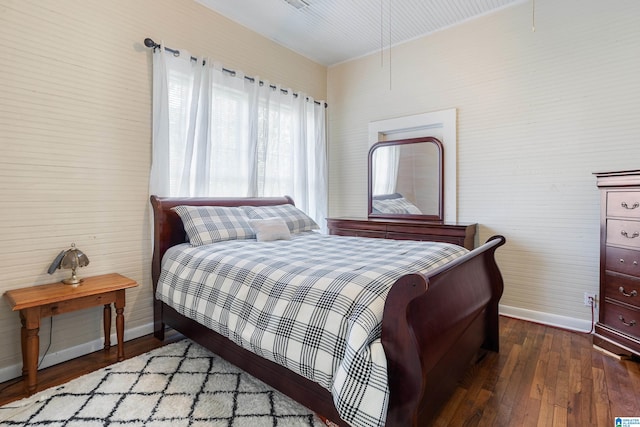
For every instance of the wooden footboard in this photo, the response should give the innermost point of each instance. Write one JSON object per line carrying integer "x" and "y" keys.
{"x": 432, "y": 327}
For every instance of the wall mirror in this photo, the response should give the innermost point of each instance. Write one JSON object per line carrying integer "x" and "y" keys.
{"x": 406, "y": 179}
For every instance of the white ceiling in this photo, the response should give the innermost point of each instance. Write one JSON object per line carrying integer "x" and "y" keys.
{"x": 334, "y": 31}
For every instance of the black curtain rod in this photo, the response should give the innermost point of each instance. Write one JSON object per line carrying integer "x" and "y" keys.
{"x": 153, "y": 45}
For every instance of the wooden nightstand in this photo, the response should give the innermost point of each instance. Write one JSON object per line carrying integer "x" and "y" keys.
{"x": 37, "y": 302}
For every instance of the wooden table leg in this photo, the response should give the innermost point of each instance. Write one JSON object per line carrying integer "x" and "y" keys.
{"x": 23, "y": 343}
{"x": 31, "y": 347}
{"x": 120, "y": 302}
{"x": 107, "y": 326}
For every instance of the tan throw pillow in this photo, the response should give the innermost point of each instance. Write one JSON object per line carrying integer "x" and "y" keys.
{"x": 269, "y": 229}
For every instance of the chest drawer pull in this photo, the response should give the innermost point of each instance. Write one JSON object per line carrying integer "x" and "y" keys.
{"x": 622, "y": 261}
{"x": 632, "y": 323}
{"x": 635, "y": 205}
{"x": 633, "y": 293}
{"x": 633, "y": 236}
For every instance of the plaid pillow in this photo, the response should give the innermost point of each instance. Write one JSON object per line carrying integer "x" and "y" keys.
{"x": 209, "y": 224}
{"x": 296, "y": 220}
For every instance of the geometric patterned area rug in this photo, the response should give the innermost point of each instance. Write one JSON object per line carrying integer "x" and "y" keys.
{"x": 179, "y": 385}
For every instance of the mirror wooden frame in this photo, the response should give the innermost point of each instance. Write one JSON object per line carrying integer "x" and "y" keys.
{"x": 428, "y": 139}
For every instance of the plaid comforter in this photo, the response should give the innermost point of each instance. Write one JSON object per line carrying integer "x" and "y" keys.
{"x": 313, "y": 304}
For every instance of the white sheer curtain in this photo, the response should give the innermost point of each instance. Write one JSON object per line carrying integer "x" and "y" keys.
{"x": 217, "y": 134}
{"x": 385, "y": 164}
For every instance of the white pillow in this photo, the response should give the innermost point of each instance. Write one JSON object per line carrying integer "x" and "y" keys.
{"x": 270, "y": 229}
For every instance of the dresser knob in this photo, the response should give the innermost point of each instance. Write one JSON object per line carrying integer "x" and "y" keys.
{"x": 632, "y": 323}
{"x": 621, "y": 260}
{"x": 633, "y": 293}
{"x": 635, "y": 205}
{"x": 633, "y": 236}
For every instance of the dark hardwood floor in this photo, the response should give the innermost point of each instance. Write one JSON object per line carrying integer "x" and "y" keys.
{"x": 543, "y": 376}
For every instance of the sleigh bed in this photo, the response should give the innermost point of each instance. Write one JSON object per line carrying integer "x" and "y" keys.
{"x": 433, "y": 325}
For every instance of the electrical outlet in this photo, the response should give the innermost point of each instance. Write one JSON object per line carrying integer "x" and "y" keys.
{"x": 590, "y": 299}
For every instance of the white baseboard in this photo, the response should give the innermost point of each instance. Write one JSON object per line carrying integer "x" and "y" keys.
{"x": 14, "y": 371}
{"x": 564, "y": 322}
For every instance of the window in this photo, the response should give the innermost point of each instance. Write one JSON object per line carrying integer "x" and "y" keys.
{"x": 230, "y": 137}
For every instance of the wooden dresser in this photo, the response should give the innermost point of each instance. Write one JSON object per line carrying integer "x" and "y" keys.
{"x": 403, "y": 229}
{"x": 618, "y": 328}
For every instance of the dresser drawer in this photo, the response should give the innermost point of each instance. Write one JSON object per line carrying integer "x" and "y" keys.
{"x": 623, "y": 289}
{"x": 625, "y": 233}
{"x": 625, "y": 261}
{"x": 427, "y": 238}
{"x": 623, "y": 318}
{"x": 357, "y": 228}
{"x": 399, "y": 229}
{"x": 357, "y": 233}
{"x": 623, "y": 204}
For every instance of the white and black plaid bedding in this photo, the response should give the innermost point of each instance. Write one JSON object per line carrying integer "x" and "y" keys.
{"x": 313, "y": 304}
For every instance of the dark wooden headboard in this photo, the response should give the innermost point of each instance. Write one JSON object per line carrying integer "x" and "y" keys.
{"x": 167, "y": 225}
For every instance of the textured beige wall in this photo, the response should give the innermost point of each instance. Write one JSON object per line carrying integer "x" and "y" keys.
{"x": 75, "y": 139}
{"x": 537, "y": 113}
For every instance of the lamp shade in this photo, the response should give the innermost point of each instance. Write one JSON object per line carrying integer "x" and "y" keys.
{"x": 73, "y": 258}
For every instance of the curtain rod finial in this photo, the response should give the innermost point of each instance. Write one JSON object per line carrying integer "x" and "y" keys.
{"x": 150, "y": 43}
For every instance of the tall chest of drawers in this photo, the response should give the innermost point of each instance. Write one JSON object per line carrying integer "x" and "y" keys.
{"x": 618, "y": 326}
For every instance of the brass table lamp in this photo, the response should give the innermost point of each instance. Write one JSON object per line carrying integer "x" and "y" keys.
{"x": 71, "y": 258}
